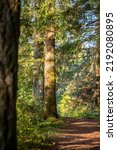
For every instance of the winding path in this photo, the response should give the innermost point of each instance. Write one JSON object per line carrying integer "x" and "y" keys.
{"x": 77, "y": 134}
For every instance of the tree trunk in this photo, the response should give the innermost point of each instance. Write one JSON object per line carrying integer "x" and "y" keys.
{"x": 38, "y": 72}
{"x": 97, "y": 77}
{"x": 9, "y": 33}
{"x": 49, "y": 74}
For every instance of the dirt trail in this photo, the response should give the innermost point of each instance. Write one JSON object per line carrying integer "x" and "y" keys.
{"x": 77, "y": 134}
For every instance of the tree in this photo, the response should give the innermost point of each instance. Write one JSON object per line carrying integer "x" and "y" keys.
{"x": 72, "y": 24}
{"x": 9, "y": 34}
{"x": 38, "y": 72}
{"x": 49, "y": 66}
{"x": 38, "y": 22}
{"x": 82, "y": 37}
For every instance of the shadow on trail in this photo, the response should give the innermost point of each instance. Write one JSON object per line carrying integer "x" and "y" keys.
{"x": 77, "y": 134}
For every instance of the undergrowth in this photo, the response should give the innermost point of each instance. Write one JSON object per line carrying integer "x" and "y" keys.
{"x": 33, "y": 136}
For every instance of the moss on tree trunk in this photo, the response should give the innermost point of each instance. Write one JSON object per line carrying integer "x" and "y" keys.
{"x": 49, "y": 74}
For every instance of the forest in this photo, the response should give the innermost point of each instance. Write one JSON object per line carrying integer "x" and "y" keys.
{"x": 49, "y": 74}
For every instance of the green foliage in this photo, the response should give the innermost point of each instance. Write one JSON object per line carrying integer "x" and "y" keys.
{"x": 92, "y": 115}
{"x": 33, "y": 131}
{"x": 77, "y": 23}
{"x": 65, "y": 105}
{"x": 69, "y": 107}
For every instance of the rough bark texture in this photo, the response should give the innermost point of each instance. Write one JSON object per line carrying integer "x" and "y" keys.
{"x": 9, "y": 33}
{"x": 49, "y": 74}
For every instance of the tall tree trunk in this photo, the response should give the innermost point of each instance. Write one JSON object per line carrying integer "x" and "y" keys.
{"x": 49, "y": 64}
{"x": 9, "y": 33}
{"x": 49, "y": 74}
{"x": 38, "y": 71}
{"x": 97, "y": 71}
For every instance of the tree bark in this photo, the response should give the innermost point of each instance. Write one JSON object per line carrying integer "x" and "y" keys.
{"x": 97, "y": 71}
{"x": 49, "y": 65}
{"x": 49, "y": 74}
{"x": 9, "y": 33}
{"x": 38, "y": 72}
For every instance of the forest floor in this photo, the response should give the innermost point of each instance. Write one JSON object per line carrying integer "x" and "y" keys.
{"x": 77, "y": 134}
